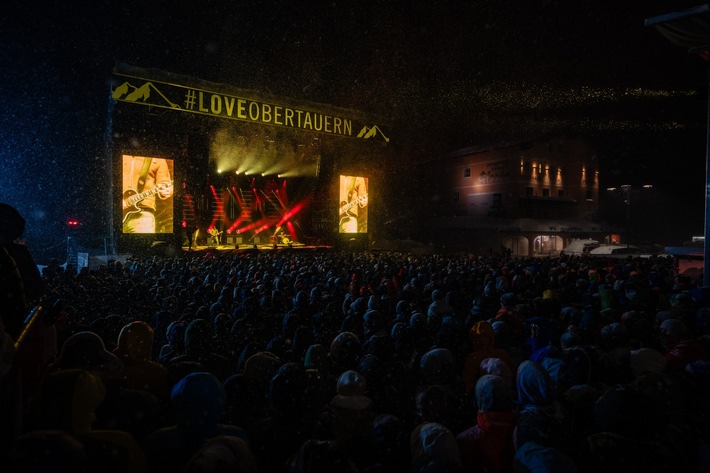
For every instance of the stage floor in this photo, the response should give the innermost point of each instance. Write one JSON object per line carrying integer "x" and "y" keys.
{"x": 246, "y": 247}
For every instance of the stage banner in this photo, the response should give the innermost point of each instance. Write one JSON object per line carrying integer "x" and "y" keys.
{"x": 184, "y": 94}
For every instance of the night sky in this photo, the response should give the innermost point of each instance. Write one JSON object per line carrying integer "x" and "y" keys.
{"x": 448, "y": 75}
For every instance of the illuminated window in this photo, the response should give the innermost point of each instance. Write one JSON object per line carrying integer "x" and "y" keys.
{"x": 467, "y": 172}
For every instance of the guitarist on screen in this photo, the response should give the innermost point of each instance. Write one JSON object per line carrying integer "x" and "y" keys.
{"x": 353, "y": 205}
{"x": 147, "y": 191}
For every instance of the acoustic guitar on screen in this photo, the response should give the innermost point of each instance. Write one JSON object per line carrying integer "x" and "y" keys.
{"x": 131, "y": 198}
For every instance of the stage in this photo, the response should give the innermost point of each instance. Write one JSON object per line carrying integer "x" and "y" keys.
{"x": 251, "y": 247}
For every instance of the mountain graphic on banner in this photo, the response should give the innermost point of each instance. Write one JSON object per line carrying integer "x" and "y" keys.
{"x": 129, "y": 93}
{"x": 370, "y": 132}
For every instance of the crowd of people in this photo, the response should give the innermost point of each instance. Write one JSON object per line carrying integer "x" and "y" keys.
{"x": 322, "y": 360}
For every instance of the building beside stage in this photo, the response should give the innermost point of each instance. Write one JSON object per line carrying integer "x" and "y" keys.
{"x": 528, "y": 198}
{"x": 194, "y": 164}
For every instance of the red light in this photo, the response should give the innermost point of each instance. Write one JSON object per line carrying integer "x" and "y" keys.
{"x": 73, "y": 223}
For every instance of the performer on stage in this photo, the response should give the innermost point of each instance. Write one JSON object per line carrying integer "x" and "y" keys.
{"x": 191, "y": 231}
{"x": 280, "y": 237}
{"x": 214, "y": 234}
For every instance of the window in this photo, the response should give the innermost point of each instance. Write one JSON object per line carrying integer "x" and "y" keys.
{"x": 590, "y": 195}
{"x": 529, "y": 191}
{"x": 546, "y": 192}
{"x": 527, "y": 168}
{"x": 561, "y": 193}
{"x": 467, "y": 172}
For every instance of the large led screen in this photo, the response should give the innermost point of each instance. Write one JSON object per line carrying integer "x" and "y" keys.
{"x": 147, "y": 198}
{"x": 353, "y": 204}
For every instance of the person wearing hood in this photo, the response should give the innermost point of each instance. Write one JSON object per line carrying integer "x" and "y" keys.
{"x": 433, "y": 448}
{"x": 199, "y": 402}
{"x": 199, "y": 348}
{"x": 175, "y": 338}
{"x": 391, "y": 440}
{"x": 540, "y": 416}
{"x": 22, "y": 289}
{"x": 403, "y": 311}
{"x": 21, "y": 280}
{"x": 351, "y": 418}
{"x": 438, "y": 309}
{"x": 488, "y": 445}
{"x": 377, "y": 340}
{"x": 509, "y": 313}
{"x": 633, "y": 433}
{"x": 246, "y": 390}
{"x": 279, "y": 434}
{"x": 344, "y": 354}
{"x": 320, "y": 382}
{"x": 483, "y": 345}
{"x": 86, "y": 350}
{"x": 441, "y": 390}
{"x": 223, "y": 453}
{"x": 68, "y": 402}
{"x": 140, "y": 372}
